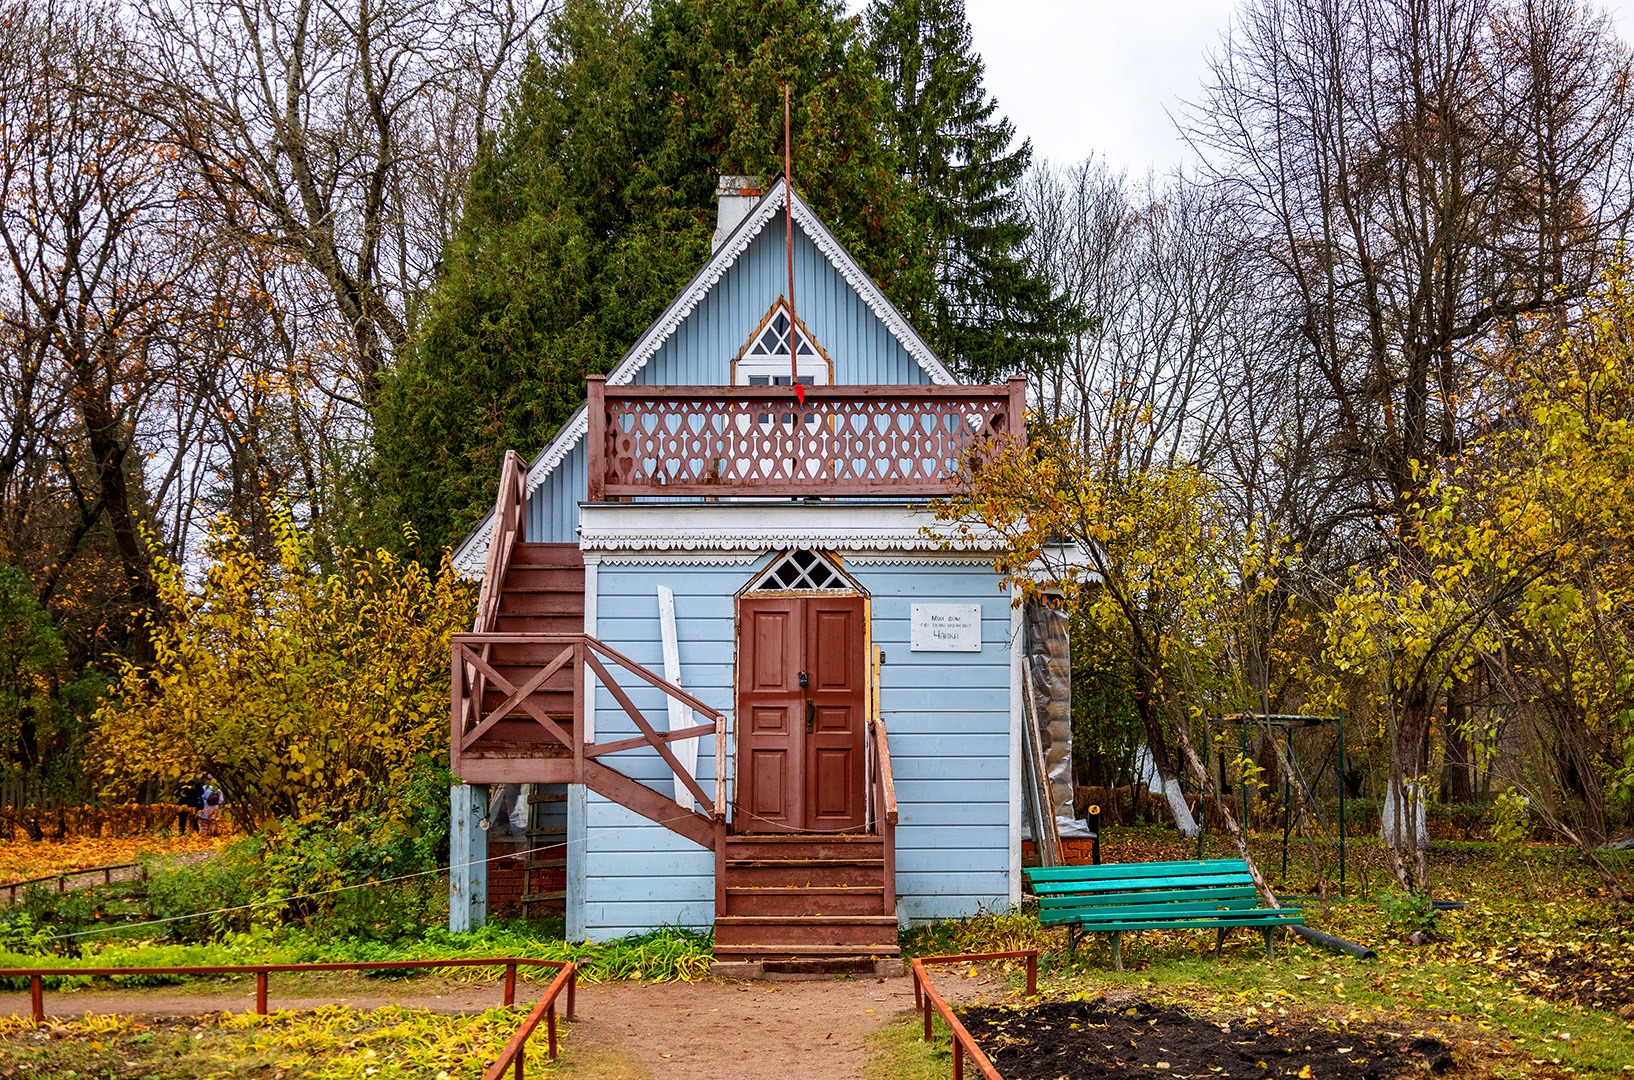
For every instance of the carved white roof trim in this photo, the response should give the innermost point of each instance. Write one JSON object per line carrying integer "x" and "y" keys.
{"x": 766, "y": 525}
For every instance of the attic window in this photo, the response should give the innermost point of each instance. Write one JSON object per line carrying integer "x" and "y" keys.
{"x": 764, "y": 360}
{"x": 803, "y": 570}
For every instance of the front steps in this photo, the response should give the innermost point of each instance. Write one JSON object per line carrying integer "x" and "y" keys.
{"x": 799, "y": 899}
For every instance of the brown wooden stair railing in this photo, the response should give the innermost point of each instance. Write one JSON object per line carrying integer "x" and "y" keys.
{"x": 559, "y": 751}
{"x": 884, "y": 785}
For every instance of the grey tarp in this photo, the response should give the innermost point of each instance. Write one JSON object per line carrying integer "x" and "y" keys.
{"x": 1048, "y": 652}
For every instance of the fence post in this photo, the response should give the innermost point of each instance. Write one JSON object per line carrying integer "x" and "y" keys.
{"x": 572, "y": 983}
{"x": 510, "y": 984}
{"x": 596, "y": 437}
{"x": 261, "y": 993}
{"x": 36, "y": 993}
{"x": 927, "y": 1018}
{"x": 958, "y": 1058}
{"x": 521, "y": 1052}
{"x": 550, "y": 1028}
{"x": 1032, "y": 974}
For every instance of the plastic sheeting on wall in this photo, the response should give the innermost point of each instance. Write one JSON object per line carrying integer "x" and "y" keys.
{"x": 1048, "y": 651}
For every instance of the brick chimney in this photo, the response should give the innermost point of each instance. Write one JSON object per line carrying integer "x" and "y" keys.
{"x": 735, "y": 196}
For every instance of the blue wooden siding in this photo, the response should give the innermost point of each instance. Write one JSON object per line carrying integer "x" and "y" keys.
{"x": 553, "y": 508}
{"x": 948, "y": 715}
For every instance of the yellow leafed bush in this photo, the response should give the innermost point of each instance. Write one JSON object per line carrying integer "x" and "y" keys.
{"x": 307, "y": 695}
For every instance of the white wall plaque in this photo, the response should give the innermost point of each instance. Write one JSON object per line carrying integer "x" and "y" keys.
{"x": 945, "y": 628}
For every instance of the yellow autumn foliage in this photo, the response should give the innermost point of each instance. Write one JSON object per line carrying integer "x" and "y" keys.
{"x": 307, "y": 695}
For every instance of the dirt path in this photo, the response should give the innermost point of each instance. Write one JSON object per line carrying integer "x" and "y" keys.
{"x": 718, "y": 1029}
{"x": 727, "y": 1030}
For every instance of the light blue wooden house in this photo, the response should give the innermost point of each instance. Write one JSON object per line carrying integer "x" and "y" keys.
{"x": 747, "y": 683}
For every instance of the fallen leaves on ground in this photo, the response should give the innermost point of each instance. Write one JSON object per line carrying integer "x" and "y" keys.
{"x": 23, "y": 859}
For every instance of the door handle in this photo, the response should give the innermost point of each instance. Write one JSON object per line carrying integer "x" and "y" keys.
{"x": 811, "y": 716}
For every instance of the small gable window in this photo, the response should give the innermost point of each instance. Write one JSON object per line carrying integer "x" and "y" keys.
{"x": 802, "y": 570}
{"x": 764, "y": 359}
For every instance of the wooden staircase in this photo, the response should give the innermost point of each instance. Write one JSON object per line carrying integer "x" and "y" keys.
{"x": 797, "y": 897}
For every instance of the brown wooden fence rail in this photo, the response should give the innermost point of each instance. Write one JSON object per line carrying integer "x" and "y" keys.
{"x": 61, "y": 879}
{"x": 515, "y": 1052}
{"x": 894, "y": 441}
{"x": 36, "y": 976}
{"x": 926, "y": 999}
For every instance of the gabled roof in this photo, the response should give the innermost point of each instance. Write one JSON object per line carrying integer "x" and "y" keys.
{"x": 647, "y": 345}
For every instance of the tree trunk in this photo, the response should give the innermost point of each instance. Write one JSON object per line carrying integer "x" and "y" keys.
{"x": 1401, "y": 825}
{"x": 1457, "y": 781}
{"x": 1163, "y": 763}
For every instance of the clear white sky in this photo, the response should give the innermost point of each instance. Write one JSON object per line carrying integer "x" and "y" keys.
{"x": 1083, "y": 77}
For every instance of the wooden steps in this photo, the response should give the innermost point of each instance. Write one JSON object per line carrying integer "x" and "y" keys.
{"x": 788, "y": 897}
{"x": 543, "y": 593}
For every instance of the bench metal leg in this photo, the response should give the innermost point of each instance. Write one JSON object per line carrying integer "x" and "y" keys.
{"x": 1219, "y": 940}
{"x": 1072, "y": 942}
{"x": 1270, "y": 942}
{"x": 1117, "y": 950}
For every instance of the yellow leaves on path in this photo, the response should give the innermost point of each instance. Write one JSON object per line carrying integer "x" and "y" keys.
{"x": 23, "y": 859}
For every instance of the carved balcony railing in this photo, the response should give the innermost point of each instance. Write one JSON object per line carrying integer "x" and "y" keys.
{"x": 863, "y": 441}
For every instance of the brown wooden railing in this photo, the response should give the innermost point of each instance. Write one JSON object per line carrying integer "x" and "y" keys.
{"x": 514, "y": 1054}
{"x": 926, "y": 998}
{"x": 565, "y": 971}
{"x": 62, "y": 879}
{"x": 559, "y": 753}
{"x": 884, "y": 785}
{"x": 841, "y": 441}
{"x": 507, "y": 533}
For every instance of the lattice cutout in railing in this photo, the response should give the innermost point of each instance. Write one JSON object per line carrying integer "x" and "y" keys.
{"x": 852, "y": 445}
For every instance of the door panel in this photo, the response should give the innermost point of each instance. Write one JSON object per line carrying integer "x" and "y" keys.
{"x": 834, "y": 756}
{"x": 771, "y": 716}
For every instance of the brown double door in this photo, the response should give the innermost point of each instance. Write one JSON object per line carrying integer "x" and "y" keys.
{"x": 801, "y": 704}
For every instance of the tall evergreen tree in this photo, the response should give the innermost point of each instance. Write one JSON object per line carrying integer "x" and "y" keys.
{"x": 989, "y": 312}
{"x": 594, "y": 205}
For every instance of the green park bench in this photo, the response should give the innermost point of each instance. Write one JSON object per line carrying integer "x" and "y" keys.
{"x": 1114, "y": 897}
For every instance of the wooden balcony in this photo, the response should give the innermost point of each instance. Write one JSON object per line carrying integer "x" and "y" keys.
{"x": 843, "y": 441}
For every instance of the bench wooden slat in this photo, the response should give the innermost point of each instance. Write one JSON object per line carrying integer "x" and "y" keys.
{"x": 1272, "y": 918}
{"x": 1056, "y": 900}
{"x": 1133, "y": 870}
{"x": 1086, "y": 915}
{"x": 1059, "y": 888}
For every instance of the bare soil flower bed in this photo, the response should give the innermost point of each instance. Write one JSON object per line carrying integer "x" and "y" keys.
{"x": 1081, "y": 1040}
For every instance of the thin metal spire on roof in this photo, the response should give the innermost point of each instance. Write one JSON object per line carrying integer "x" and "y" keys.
{"x": 788, "y": 241}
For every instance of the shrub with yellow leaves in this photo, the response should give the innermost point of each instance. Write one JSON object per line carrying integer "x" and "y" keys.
{"x": 307, "y": 695}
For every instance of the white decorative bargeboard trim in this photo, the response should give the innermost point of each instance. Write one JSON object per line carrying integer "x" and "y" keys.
{"x": 673, "y": 558}
{"x": 758, "y": 526}
{"x": 864, "y": 286}
{"x": 919, "y": 559}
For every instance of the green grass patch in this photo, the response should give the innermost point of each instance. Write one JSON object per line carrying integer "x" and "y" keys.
{"x": 898, "y": 1051}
